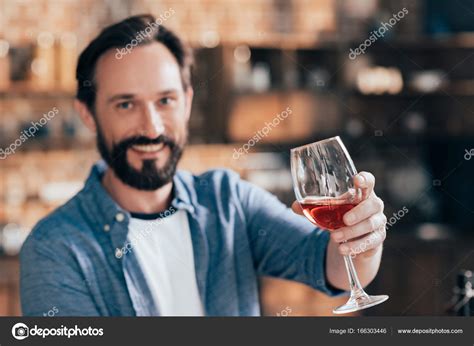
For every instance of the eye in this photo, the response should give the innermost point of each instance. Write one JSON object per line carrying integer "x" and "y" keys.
{"x": 165, "y": 101}
{"x": 125, "y": 105}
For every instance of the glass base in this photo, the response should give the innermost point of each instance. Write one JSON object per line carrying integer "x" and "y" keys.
{"x": 358, "y": 302}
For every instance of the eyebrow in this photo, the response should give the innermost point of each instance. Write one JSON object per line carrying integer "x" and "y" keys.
{"x": 132, "y": 96}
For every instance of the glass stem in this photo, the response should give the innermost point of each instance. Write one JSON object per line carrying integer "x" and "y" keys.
{"x": 356, "y": 287}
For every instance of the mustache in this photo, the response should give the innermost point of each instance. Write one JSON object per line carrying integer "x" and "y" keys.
{"x": 141, "y": 140}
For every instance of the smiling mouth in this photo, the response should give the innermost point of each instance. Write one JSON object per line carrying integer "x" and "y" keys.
{"x": 148, "y": 148}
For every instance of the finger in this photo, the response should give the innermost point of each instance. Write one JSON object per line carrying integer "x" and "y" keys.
{"x": 373, "y": 223}
{"x": 364, "y": 244}
{"x": 296, "y": 207}
{"x": 363, "y": 210}
{"x": 365, "y": 182}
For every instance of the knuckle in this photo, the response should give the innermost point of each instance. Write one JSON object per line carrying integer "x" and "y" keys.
{"x": 351, "y": 232}
{"x": 379, "y": 203}
{"x": 374, "y": 240}
{"x": 373, "y": 223}
{"x": 380, "y": 223}
{"x": 369, "y": 176}
{"x": 382, "y": 234}
{"x": 354, "y": 215}
{"x": 374, "y": 204}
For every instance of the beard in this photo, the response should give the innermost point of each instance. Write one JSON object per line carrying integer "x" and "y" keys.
{"x": 149, "y": 177}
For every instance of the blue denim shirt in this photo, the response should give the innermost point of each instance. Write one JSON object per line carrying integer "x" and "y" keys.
{"x": 239, "y": 232}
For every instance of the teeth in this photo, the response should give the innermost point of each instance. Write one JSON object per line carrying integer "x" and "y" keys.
{"x": 148, "y": 148}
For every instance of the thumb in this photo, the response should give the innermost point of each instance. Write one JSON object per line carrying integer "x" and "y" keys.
{"x": 296, "y": 207}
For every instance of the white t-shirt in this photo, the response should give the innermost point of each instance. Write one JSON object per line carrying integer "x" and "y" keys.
{"x": 165, "y": 253}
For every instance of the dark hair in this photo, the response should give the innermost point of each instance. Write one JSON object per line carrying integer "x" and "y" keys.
{"x": 120, "y": 35}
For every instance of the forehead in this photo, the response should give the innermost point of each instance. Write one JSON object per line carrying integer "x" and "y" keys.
{"x": 146, "y": 69}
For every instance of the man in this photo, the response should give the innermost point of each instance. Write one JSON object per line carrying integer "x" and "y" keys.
{"x": 141, "y": 239}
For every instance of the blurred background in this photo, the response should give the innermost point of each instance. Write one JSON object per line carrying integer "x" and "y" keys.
{"x": 394, "y": 79}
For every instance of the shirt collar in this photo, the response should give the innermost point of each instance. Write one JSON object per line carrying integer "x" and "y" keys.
{"x": 104, "y": 211}
{"x": 182, "y": 194}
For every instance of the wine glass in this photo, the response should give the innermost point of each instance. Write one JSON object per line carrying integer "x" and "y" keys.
{"x": 323, "y": 175}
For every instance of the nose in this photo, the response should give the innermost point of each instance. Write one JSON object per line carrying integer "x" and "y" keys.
{"x": 153, "y": 125}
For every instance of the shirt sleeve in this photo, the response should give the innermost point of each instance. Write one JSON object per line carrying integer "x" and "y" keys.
{"x": 284, "y": 244}
{"x": 50, "y": 280}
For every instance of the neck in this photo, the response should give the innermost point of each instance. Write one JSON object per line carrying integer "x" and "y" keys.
{"x": 134, "y": 200}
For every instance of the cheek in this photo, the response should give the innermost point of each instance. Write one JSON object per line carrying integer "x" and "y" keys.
{"x": 178, "y": 126}
{"x": 111, "y": 138}
{"x": 119, "y": 130}
{"x": 181, "y": 134}
{"x": 114, "y": 124}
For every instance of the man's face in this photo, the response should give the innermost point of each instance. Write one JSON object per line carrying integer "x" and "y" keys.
{"x": 141, "y": 114}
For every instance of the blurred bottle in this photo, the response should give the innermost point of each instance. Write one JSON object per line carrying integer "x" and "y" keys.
{"x": 12, "y": 238}
{"x": 261, "y": 77}
{"x": 462, "y": 304}
{"x": 242, "y": 70}
{"x": 42, "y": 66}
{"x": 67, "y": 60}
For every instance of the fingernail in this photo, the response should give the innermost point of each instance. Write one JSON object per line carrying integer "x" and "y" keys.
{"x": 337, "y": 236}
{"x": 361, "y": 179}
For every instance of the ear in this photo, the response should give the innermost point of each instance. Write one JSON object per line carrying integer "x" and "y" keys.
{"x": 86, "y": 116}
{"x": 189, "y": 93}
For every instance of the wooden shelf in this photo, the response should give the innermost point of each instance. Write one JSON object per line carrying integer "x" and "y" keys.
{"x": 34, "y": 94}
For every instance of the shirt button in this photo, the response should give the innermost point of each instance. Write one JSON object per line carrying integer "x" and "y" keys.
{"x": 118, "y": 253}
{"x": 120, "y": 217}
{"x": 106, "y": 228}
